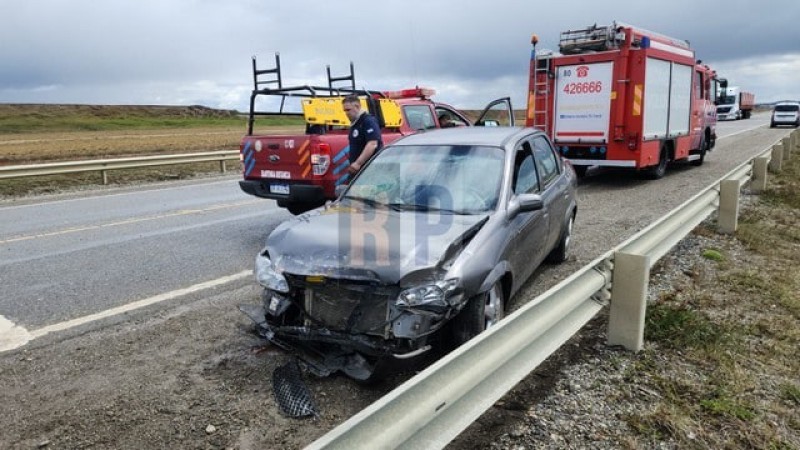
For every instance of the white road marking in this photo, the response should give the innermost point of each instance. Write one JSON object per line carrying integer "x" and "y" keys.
{"x": 12, "y": 336}
{"x": 155, "y": 187}
{"x": 751, "y": 128}
{"x": 183, "y": 212}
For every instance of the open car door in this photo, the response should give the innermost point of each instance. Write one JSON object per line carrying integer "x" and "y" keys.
{"x": 497, "y": 113}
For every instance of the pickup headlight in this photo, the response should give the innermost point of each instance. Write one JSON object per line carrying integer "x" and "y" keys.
{"x": 267, "y": 276}
{"x": 431, "y": 295}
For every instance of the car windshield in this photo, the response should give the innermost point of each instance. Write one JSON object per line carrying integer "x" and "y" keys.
{"x": 462, "y": 179}
{"x": 787, "y": 108}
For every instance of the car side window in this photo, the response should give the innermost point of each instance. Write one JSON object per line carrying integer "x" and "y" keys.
{"x": 419, "y": 117}
{"x": 448, "y": 118}
{"x": 546, "y": 160}
{"x": 525, "y": 178}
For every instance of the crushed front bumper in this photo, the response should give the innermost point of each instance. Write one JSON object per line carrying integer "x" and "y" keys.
{"x": 325, "y": 351}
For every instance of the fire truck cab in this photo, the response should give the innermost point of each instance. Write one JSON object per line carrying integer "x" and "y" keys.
{"x": 621, "y": 96}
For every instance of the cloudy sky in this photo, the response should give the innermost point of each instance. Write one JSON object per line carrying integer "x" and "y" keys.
{"x": 183, "y": 52}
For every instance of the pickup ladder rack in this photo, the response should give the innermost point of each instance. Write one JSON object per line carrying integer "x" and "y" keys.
{"x": 270, "y": 82}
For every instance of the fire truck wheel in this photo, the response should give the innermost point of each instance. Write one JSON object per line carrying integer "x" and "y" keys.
{"x": 703, "y": 150}
{"x": 658, "y": 171}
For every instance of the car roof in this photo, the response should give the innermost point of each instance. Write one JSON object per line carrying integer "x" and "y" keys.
{"x": 488, "y": 136}
{"x": 787, "y": 103}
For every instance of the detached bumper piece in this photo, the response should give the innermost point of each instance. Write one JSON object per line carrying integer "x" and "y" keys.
{"x": 322, "y": 352}
{"x": 293, "y": 397}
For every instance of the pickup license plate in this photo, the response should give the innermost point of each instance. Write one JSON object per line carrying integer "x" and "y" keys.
{"x": 277, "y": 188}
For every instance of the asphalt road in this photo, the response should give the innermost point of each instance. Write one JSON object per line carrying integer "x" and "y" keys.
{"x": 62, "y": 259}
{"x": 127, "y": 332}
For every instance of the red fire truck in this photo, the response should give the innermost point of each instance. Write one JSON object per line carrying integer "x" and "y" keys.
{"x": 621, "y": 96}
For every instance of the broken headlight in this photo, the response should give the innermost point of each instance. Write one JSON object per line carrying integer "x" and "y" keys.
{"x": 267, "y": 276}
{"x": 431, "y": 295}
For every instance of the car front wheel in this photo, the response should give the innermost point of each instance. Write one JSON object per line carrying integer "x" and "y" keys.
{"x": 481, "y": 312}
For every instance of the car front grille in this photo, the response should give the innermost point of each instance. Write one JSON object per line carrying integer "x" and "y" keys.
{"x": 347, "y": 307}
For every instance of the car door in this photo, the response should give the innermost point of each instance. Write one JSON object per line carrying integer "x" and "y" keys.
{"x": 498, "y": 112}
{"x": 554, "y": 188}
{"x": 528, "y": 230}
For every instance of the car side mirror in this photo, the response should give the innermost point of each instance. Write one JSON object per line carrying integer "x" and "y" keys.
{"x": 525, "y": 203}
{"x": 339, "y": 190}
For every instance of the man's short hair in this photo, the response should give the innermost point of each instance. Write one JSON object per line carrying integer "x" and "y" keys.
{"x": 351, "y": 99}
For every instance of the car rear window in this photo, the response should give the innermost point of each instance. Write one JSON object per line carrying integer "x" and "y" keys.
{"x": 787, "y": 108}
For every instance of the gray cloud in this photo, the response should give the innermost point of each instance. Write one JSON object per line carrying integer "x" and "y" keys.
{"x": 198, "y": 51}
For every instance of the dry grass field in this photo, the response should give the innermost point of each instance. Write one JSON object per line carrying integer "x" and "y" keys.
{"x": 34, "y": 134}
{"x": 39, "y": 133}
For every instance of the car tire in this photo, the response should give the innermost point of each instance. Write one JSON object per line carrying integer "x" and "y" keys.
{"x": 561, "y": 252}
{"x": 381, "y": 369}
{"x": 481, "y": 312}
{"x": 772, "y": 124}
{"x": 580, "y": 171}
{"x": 298, "y": 208}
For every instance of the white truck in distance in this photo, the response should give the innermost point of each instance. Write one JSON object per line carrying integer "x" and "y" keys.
{"x": 734, "y": 104}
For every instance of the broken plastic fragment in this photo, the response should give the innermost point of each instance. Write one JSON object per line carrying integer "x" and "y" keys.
{"x": 293, "y": 397}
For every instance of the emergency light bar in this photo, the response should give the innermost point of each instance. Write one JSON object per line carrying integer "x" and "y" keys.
{"x": 411, "y": 93}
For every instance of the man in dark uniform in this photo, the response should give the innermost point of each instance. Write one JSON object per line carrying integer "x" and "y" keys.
{"x": 365, "y": 134}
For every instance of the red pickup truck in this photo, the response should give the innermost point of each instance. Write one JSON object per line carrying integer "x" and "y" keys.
{"x": 301, "y": 171}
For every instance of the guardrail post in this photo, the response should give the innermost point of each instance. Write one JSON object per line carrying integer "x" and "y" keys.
{"x": 759, "y": 182}
{"x": 787, "y": 147}
{"x": 105, "y": 176}
{"x": 776, "y": 161}
{"x": 728, "y": 216}
{"x": 628, "y": 300}
{"x": 222, "y": 166}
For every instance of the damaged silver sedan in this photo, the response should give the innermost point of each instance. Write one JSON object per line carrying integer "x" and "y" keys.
{"x": 423, "y": 248}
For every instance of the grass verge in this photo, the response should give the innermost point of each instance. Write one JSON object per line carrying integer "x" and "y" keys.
{"x": 31, "y": 118}
{"x": 722, "y": 347}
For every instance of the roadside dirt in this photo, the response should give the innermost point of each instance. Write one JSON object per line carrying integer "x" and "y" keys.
{"x": 163, "y": 383}
{"x": 194, "y": 376}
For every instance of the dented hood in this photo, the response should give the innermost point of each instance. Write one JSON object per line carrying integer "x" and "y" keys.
{"x": 361, "y": 242}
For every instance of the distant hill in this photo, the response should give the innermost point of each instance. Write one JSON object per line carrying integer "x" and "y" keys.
{"x": 27, "y": 118}
{"x": 111, "y": 111}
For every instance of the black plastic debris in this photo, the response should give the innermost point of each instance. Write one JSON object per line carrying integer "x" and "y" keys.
{"x": 293, "y": 397}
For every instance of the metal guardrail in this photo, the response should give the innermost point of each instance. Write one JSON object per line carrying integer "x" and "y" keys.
{"x": 104, "y": 165}
{"x": 433, "y": 407}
